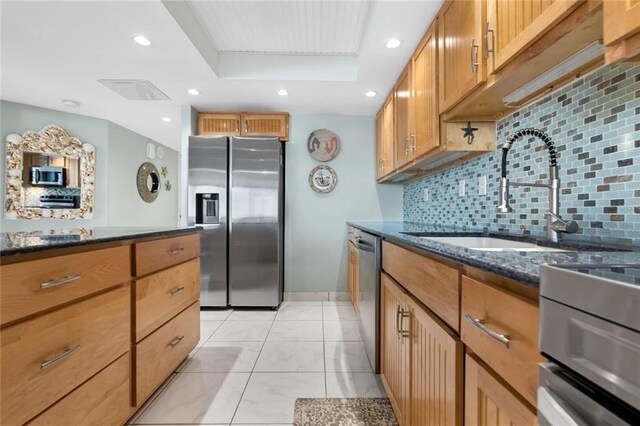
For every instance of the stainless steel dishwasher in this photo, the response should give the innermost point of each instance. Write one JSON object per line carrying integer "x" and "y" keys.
{"x": 369, "y": 295}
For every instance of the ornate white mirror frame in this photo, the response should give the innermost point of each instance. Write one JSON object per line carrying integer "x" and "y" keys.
{"x": 51, "y": 140}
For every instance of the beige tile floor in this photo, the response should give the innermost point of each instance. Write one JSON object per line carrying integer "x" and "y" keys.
{"x": 250, "y": 366}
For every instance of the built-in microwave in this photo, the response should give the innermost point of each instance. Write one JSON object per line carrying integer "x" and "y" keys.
{"x": 48, "y": 176}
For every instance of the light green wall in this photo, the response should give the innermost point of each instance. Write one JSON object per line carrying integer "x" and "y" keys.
{"x": 315, "y": 230}
{"x": 119, "y": 153}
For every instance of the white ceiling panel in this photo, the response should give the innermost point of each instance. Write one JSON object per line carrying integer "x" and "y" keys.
{"x": 311, "y": 27}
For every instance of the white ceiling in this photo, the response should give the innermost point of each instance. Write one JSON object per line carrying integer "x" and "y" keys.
{"x": 58, "y": 50}
{"x": 284, "y": 27}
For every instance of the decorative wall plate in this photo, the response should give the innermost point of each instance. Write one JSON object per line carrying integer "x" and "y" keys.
{"x": 323, "y": 179}
{"x": 323, "y": 145}
{"x": 148, "y": 182}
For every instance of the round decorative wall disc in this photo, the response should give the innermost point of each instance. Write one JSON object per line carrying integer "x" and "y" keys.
{"x": 323, "y": 145}
{"x": 323, "y": 179}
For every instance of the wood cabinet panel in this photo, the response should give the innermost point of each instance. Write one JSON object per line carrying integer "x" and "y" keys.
{"x": 460, "y": 50}
{"x": 45, "y": 358}
{"x": 103, "y": 400}
{"x": 394, "y": 348}
{"x": 513, "y": 25}
{"x": 434, "y": 284}
{"x": 379, "y": 141}
{"x": 159, "y": 297}
{"x": 35, "y": 286}
{"x": 621, "y": 30}
{"x": 266, "y": 125}
{"x": 436, "y": 389}
{"x": 162, "y": 351}
{"x": 155, "y": 255}
{"x": 388, "y": 140}
{"x": 354, "y": 264}
{"x": 505, "y": 314}
{"x": 219, "y": 124}
{"x": 425, "y": 94}
{"x": 404, "y": 132}
{"x": 489, "y": 403}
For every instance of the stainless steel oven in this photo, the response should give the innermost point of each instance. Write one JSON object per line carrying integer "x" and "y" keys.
{"x": 590, "y": 330}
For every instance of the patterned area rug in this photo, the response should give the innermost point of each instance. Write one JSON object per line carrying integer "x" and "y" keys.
{"x": 343, "y": 412}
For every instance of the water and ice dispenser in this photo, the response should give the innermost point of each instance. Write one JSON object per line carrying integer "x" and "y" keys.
{"x": 207, "y": 208}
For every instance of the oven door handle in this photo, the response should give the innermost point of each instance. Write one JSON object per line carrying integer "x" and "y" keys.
{"x": 552, "y": 409}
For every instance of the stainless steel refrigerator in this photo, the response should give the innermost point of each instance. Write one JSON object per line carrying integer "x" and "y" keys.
{"x": 236, "y": 194}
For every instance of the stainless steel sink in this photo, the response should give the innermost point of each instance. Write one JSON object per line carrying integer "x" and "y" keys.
{"x": 492, "y": 244}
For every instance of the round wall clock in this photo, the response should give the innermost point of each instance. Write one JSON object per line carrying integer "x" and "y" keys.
{"x": 323, "y": 179}
{"x": 323, "y": 145}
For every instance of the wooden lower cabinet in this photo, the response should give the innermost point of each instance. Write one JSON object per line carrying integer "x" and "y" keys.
{"x": 489, "y": 403}
{"x": 421, "y": 361}
{"x": 103, "y": 400}
{"x": 158, "y": 355}
{"x": 354, "y": 265}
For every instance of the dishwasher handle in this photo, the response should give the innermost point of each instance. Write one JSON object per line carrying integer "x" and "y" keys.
{"x": 364, "y": 246}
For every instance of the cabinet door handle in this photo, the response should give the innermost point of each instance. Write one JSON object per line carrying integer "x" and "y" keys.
{"x": 60, "y": 281}
{"x": 413, "y": 146}
{"x": 407, "y": 148}
{"x": 400, "y": 315}
{"x": 176, "y": 251}
{"x": 474, "y": 56}
{"x": 176, "y": 291}
{"x": 503, "y": 339}
{"x": 487, "y": 50}
{"x": 174, "y": 342}
{"x": 56, "y": 359}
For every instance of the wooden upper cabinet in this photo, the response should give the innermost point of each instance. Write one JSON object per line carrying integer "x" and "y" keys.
{"x": 489, "y": 403}
{"x": 244, "y": 124}
{"x": 404, "y": 132}
{"x": 215, "y": 124}
{"x": 621, "y": 29}
{"x": 512, "y": 26}
{"x": 460, "y": 50}
{"x": 266, "y": 125}
{"x": 394, "y": 348}
{"x": 385, "y": 135}
{"x": 379, "y": 140}
{"x": 425, "y": 94}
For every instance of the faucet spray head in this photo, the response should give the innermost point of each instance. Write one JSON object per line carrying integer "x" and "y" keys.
{"x": 503, "y": 197}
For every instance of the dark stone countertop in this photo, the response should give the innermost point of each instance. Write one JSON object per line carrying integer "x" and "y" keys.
{"x": 519, "y": 266}
{"x": 22, "y": 242}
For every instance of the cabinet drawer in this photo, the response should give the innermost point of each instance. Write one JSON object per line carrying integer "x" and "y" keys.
{"x": 160, "y": 296}
{"x": 162, "y": 351}
{"x": 154, "y": 255}
{"x": 45, "y": 358}
{"x": 505, "y": 314}
{"x": 103, "y": 400}
{"x": 434, "y": 284}
{"x": 38, "y": 285}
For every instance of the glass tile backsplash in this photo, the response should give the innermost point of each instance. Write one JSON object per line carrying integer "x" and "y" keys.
{"x": 595, "y": 124}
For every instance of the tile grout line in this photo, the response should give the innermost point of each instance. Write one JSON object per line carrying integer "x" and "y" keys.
{"x": 235, "y": 412}
{"x": 324, "y": 351}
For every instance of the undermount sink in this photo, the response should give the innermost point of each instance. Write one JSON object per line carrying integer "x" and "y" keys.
{"x": 492, "y": 244}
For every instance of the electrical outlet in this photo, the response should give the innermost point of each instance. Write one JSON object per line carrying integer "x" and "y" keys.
{"x": 461, "y": 188}
{"x": 482, "y": 185}
{"x": 425, "y": 195}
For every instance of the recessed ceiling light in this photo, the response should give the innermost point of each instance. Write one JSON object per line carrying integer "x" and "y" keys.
{"x": 193, "y": 92}
{"x": 392, "y": 43}
{"x": 141, "y": 40}
{"x": 282, "y": 92}
{"x": 166, "y": 119}
{"x": 371, "y": 93}
{"x": 70, "y": 103}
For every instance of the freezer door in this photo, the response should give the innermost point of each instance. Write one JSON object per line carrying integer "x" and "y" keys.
{"x": 255, "y": 237}
{"x": 208, "y": 181}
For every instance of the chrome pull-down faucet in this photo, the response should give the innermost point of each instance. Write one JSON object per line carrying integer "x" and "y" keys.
{"x": 555, "y": 224}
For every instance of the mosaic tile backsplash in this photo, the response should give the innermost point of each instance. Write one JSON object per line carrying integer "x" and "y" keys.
{"x": 595, "y": 125}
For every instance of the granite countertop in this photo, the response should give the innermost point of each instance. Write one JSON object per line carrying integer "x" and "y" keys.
{"x": 21, "y": 242}
{"x": 520, "y": 266}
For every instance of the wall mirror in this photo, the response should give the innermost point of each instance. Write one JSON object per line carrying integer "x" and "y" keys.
{"x": 49, "y": 175}
{"x": 148, "y": 182}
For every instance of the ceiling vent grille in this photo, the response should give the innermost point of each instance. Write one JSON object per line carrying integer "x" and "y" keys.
{"x": 135, "y": 90}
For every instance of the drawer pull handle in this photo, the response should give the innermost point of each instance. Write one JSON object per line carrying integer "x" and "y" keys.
{"x": 176, "y": 291}
{"x": 503, "y": 339}
{"x": 63, "y": 280}
{"x": 173, "y": 343}
{"x": 176, "y": 250}
{"x": 53, "y": 361}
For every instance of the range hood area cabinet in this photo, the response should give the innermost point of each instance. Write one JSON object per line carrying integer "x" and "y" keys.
{"x": 244, "y": 124}
{"x": 621, "y": 31}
